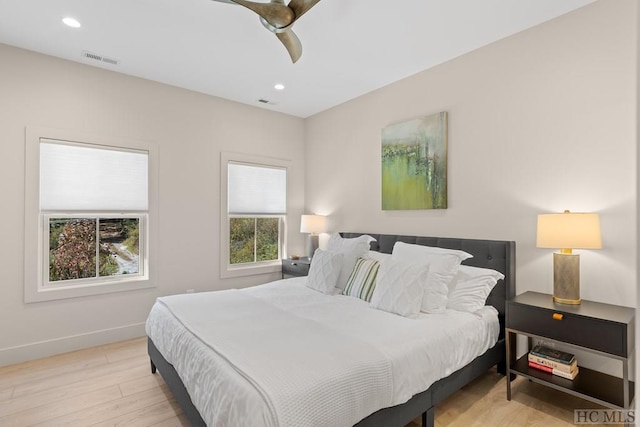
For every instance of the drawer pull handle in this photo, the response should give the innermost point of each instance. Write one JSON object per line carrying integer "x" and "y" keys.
{"x": 557, "y": 316}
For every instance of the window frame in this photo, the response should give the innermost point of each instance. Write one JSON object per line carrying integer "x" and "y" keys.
{"x": 228, "y": 270}
{"x": 36, "y": 228}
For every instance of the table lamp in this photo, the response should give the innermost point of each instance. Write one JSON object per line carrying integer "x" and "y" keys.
{"x": 567, "y": 231}
{"x": 312, "y": 224}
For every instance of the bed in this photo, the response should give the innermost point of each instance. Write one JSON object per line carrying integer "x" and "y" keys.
{"x": 496, "y": 255}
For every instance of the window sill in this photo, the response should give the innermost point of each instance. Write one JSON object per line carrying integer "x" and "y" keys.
{"x": 52, "y": 293}
{"x": 231, "y": 271}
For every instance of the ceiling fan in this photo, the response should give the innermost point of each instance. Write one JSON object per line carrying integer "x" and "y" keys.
{"x": 278, "y": 18}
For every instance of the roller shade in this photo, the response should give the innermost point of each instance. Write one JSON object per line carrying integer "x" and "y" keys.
{"x": 92, "y": 178}
{"x": 256, "y": 190}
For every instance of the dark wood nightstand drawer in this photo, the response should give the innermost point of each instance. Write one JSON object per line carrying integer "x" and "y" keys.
{"x": 570, "y": 325}
{"x": 590, "y": 333}
{"x": 295, "y": 267}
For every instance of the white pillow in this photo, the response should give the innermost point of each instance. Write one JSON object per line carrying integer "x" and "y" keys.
{"x": 466, "y": 272}
{"x": 351, "y": 250}
{"x": 324, "y": 270}
{"x": 471, "y": 288}
{"x": 399, "y": 287}
{"x": 443, "y": 267}
{"x": 378, "y": 256}
{"x": 414, "y": 253}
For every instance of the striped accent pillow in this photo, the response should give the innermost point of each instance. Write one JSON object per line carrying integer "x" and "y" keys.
{"x": 362, "y": 280}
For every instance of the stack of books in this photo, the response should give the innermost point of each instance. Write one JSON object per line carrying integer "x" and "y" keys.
{"x": 554, "y": 361}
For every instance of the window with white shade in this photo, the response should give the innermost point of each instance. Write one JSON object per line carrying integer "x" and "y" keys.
{"x": 88, "y": 207}
{"x": 254, "y": 200}
{"x": 89, "y": 177}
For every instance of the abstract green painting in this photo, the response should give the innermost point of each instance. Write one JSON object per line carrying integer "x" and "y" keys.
{"x": 414, "y": 164}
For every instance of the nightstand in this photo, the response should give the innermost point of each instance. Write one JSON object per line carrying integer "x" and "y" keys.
{"x": 603, "y": 329}
{"x": 295, "y": 267}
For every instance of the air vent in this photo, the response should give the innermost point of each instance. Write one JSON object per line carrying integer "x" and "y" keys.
{"x": 96, "y": 57}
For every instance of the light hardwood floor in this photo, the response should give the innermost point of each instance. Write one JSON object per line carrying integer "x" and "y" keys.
{"x": 112, "y": 385}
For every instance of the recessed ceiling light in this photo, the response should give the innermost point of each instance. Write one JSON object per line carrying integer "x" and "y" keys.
{"x": 279, "y": 86}
{"x": 71, "y": 22}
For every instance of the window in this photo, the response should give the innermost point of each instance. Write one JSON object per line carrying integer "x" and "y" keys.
{"x": 93, "y": 247}
{"x": 254, "y": 204}
{"x": 254, "y": 239}
{"x": 90, "y": 209}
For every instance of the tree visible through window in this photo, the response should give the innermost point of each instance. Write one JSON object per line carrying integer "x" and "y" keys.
{"x": 81, "y": 248}
{"x": 253, "y": 239}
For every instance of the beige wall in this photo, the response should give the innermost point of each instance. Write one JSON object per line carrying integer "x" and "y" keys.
{"x": 540, "y": 122}
{"x": 190, "y": 130}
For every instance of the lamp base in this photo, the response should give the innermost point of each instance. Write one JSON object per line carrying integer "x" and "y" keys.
{"x": 312, "y": 244}
{"x": 566, "y": 278}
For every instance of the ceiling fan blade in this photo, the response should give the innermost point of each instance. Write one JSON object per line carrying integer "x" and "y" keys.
{"x": 278, "y": 18}
{"x": 299, "y": 7}
{"x": 275, "y": 13}
{"x": 292, "y": 43}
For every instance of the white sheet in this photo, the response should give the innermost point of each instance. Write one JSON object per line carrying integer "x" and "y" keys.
{"x": 417, "y": 352}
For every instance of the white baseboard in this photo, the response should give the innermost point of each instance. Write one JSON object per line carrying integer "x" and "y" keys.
{"x": 38, "y": 350}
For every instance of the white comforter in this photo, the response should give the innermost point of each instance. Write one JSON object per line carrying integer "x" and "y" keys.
{"x": 284, "y": 355}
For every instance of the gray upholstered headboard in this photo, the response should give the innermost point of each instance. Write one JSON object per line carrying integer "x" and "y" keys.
{"x": 498, "y": 255}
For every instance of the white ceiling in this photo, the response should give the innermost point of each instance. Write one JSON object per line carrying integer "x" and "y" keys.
{"x": 350, "y": 47}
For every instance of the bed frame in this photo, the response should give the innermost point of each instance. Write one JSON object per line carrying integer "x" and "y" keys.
{"x": 495, "y": 254}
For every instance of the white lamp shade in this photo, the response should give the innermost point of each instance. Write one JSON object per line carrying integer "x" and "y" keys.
{"x": 312, "y": 224}
{"x": 569, "y": 230}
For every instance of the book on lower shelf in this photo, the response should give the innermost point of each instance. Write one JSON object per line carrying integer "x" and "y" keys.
{"x": 568, "y": 375}
{"x": 554, "y": 361}
{"x": 564, "y": 367}
{"x": 553, "y": 354}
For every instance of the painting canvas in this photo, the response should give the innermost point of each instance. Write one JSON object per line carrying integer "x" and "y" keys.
{"x": 414, "y": 164}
